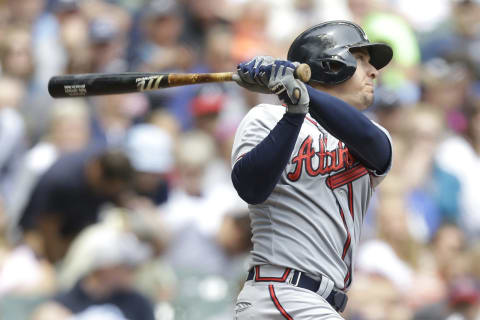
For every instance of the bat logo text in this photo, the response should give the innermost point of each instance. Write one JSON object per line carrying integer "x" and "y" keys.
{"x": 148, "y": 83}
{"x": 75, "y": 90}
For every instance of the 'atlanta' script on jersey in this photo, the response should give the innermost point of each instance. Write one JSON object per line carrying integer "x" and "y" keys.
{"x": 328, "y": 161}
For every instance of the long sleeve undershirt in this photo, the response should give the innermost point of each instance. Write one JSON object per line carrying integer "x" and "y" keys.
{"x": 255, "y": 175}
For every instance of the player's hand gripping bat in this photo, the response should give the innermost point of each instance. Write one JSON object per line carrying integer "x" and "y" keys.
{"x": 92, "y": 84}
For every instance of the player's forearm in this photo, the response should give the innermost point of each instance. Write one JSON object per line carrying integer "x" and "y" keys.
{"x": 366, "y": 141}
{"x": 255, "y": 175}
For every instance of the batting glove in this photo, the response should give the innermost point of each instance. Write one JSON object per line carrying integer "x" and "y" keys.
{"x": 254, "y": 75}
{"x": 291, "y": 91}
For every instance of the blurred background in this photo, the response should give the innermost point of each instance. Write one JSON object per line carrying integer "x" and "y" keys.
{"x": 121, "y": 206}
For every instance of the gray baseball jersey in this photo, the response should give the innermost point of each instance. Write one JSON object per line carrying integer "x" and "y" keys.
{"x": 312, "y": 220}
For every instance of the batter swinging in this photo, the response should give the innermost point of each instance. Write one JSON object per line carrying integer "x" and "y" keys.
{"x": 308, "y": 171}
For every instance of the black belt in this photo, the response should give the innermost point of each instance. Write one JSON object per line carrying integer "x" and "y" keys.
{"x": 337, "y": 299}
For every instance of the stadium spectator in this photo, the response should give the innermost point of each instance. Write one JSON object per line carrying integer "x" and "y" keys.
{"x": 13, "y": 135}
{"x": 150, "y": 150}
{"x": 113, "y": 115}
{"x": 103, "y": 257}
{"x": 68, "y": 196}
{"x": 68, "y": 131}
{"x": 459, "y": 156}
{"x": 163, "y": 49}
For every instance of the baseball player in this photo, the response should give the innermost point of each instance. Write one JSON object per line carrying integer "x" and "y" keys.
{"x": 308, "y": 169}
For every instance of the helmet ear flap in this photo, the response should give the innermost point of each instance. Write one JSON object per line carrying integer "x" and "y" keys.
{"x": 332, "y": 70}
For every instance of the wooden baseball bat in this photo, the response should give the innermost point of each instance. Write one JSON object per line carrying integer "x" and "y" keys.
{"x": 93, "y": 84}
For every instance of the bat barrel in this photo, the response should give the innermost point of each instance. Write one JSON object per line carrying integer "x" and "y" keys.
{"x": 92, "y": 84}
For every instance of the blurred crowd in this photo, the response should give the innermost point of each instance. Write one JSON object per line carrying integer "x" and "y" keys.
{"x": 121, "y": 206}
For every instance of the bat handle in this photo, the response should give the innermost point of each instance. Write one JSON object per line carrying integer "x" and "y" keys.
{"x": 302, "y": 73}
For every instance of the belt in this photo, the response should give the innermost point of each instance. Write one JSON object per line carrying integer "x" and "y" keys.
{"x": 337, "y": 299}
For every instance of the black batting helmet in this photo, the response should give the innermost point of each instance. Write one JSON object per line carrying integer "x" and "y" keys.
{"x": 326, "y": 49}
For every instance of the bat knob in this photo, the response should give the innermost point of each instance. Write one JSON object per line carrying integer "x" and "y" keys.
{"x": 303, "y": 72}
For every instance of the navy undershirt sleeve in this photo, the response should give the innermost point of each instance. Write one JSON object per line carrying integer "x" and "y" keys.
{"x": 367, "y": 142}
{"x": 255, "y": 175}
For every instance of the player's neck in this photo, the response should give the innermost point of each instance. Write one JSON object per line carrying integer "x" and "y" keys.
{"x": 334, "y": 91}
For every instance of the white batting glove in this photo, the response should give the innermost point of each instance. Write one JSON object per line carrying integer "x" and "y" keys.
{"x": 291, "y": 91}
{"x": 254, "y": 75}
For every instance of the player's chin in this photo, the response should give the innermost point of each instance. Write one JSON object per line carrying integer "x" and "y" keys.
{"x": 367, "y": 101}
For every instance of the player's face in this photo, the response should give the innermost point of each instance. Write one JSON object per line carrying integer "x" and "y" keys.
{"x": 359, "y": 89}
